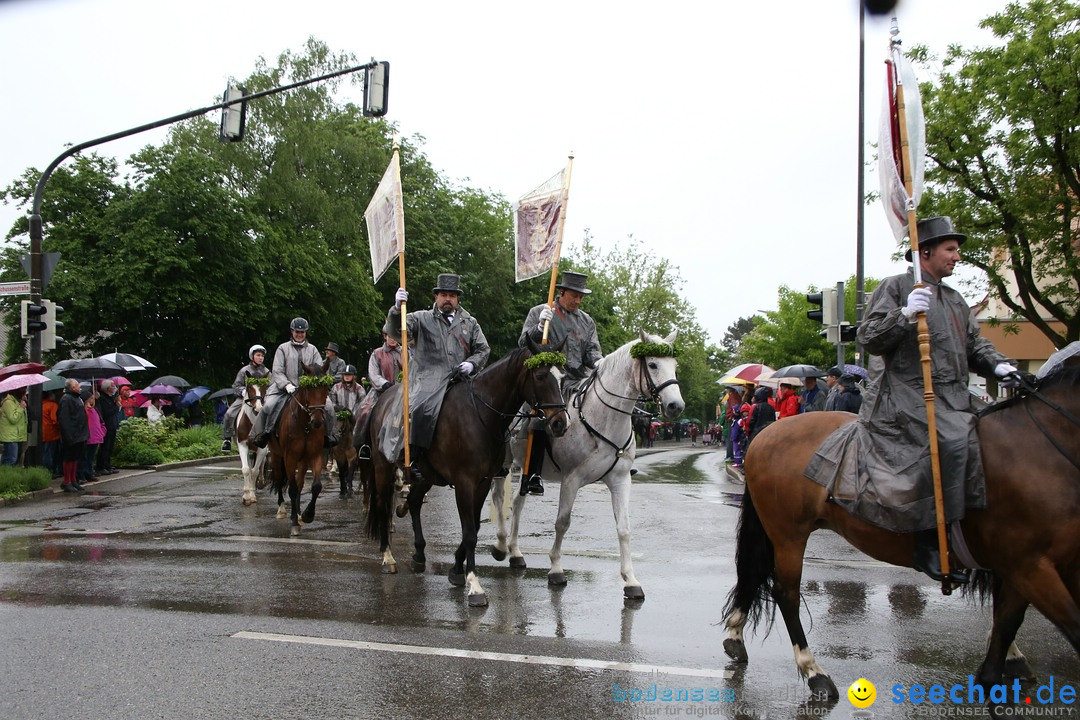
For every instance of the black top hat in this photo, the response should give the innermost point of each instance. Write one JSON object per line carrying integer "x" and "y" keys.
{"x": 934, "y": 230}
{"x": 448, "y": 282}
{"x": 574, "y": 281}
{"x": 333, "y": 347}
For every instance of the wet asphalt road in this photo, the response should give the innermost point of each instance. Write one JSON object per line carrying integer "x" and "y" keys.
{"x": 161, "y": 595}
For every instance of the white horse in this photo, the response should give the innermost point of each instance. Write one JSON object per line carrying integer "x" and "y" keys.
{"x": 599, "y": 445}
{"x": 245, "y": 422}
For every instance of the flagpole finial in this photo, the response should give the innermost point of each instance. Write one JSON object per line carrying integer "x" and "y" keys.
{"x": 894, "y": 29}
{"x": 397, "y": 143}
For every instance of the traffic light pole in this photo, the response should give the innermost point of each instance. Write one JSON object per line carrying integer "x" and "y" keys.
{"x": 36, "y": 231}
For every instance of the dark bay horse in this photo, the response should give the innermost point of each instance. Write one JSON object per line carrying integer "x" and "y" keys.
{"x": 345, "y": 454}
{"x": 467, "y": 450}
{"x": 297, "y": 447}
{"x": 1028, "y": 536}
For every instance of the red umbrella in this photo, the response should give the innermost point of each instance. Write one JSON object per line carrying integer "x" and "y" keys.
{"x": 747, "y": 372}
{"x": 21, "y": 369}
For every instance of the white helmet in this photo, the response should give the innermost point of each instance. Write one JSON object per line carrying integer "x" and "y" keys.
{"x": 254, "y": 349}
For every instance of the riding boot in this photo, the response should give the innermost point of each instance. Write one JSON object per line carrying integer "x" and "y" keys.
{"x": 534, "y": 484}
{"x": 927, "y": 558}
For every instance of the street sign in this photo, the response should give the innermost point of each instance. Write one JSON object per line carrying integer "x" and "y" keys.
{"x": 15, "y": 288}
{"x": 48, "y": 264}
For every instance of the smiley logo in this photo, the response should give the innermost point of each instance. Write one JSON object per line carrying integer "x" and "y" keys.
{"x": 862, "y": 693}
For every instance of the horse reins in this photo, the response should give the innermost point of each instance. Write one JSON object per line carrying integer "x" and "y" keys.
{"x": 1030, "y": 389}
{"x": 536, "y": 409}
{"x": 310, "y": 412}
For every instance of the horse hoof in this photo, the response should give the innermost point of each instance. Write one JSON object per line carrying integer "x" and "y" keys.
{"x": 736, "y": 650}
{"x": 1019, "y": 668}
{"x": 308, "y": 517}
{"x": 478, "y": 600}
{"x": 419, "y": 565}
{"x": 457, "y": 579}
{"x": 389, "y": 569}
{"x": 822, "y": 688}
{"x": 249, "y": 501}
{"x": 280, "y": 515}
{"x": 518, "y": 562}
{"x": 498, "y": 554}
{"x": 402, "y": 510}
{"x": 633, "y": 592}
{"x": 295, "y": 530}
{"x": 557, "y": 579}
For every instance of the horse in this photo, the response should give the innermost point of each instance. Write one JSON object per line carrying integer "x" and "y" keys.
{"x": 345, "y": 455}
{"x": 297, "y": 447}
{"x": 245, "y": 422}
{"x": 600, "y": 447}
{"x": 1027, "y": 537}
{"x": 467, "y": 450}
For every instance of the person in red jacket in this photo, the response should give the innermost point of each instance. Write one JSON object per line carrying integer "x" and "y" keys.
{"x": 788, "y": 402}
{"x": 50, "y": 433}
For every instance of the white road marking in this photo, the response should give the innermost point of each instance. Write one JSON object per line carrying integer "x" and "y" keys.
{"x": 341, "y": 543}
{"x": 578, "y": 663}
{"x": 288, "y": 540}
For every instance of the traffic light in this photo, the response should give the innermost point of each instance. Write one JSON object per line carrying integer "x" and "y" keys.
{"x": 826, "y": 302}
{"x": 30, "y": 322}
{"x": 49, "y": 338}
{"x": 848, "y": 332}
{"x": 376, "y": 89}
{"x": 234, "y": 116}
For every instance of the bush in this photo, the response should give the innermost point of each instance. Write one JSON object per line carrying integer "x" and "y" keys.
{"x": 17, "y": 481}
{"x": 139, "y": 453}
{"x": 140, "y": 443}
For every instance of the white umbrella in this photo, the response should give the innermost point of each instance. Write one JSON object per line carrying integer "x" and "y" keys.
{"x": 130, "y": 363}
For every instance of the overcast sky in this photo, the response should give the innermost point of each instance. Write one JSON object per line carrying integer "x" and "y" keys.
{"x": 722, "y": 134}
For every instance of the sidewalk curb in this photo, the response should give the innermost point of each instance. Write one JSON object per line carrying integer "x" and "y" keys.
{"x": 125, "y": 473}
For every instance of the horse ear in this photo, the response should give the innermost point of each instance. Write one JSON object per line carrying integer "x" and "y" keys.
{"x": 531, "y": 344}
{"x": 670, "y": 339}
{"x": 644, "y": 337}
{"x": 559, "y": 347}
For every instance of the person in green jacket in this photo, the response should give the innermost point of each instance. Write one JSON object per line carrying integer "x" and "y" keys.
{"x": 12, "y": 425}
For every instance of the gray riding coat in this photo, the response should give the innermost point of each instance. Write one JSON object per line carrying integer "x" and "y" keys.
{"x": 582, "y": 348}
{"x": 879, "y": 467}
{"x": 438, "y": 350}
{"x": 289, "y": 362}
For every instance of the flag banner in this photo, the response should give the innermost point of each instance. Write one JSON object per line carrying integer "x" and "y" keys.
{"x": 894, "y": 195}
{"x": 382, "y": 221}
{"x": 536, "y": 228}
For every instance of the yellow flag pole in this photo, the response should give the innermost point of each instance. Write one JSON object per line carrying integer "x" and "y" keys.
{"x": 399, "y": 213}
{"x": 924, "y": 348}
{"x": 551, "y": 291}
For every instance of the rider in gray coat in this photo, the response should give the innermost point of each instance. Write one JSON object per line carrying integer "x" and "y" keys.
{"x": 254, "y": 369}
{"x": 336, "y": 365}
{"x": 289, "y": 362}
{"x": 582, "y": 349}
{"x": 449, "y": 343}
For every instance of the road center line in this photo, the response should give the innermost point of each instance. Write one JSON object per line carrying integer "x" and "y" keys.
{"x": 579, "y": 663}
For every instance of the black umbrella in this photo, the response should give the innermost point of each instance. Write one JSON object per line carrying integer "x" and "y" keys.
{"x": 223, "y": 393}
{"x": 797, "y": 371}
{"x": 87, "y": 368}
{"x": 174, "y": 380}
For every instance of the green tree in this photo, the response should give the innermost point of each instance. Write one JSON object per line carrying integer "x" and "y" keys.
{"x": 1003, "y": 138}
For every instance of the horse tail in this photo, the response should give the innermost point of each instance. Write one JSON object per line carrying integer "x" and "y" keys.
{"x": 981, "y": 588}
{"x": 754, "y": 565}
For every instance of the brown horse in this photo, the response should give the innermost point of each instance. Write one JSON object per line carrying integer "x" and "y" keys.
{"x": 297, "y": 447}
{"x": 467, "y": 450}
{"x": 1028, "y": 536}
{"x": 345, "y": 455}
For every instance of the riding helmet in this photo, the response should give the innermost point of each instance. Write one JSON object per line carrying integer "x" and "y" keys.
{"x": 299, "y": 324}
{"x": 349, "y": 370}
{"x": 254, "y": 349}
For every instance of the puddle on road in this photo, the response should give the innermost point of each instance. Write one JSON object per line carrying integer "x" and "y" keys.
{"x": 682, "y": 472}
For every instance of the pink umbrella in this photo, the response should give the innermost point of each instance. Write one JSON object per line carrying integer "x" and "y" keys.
{"x": 120, "y": 381}
{"x": 147, "y": 403}
{"x": 160, "y": 389}
{"x": 14, "y": 382}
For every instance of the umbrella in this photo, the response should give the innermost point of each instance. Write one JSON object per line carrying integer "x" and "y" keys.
{"x": 769, "y": 379}
{"x": 21, "y": 369}
{"x": 746, "y": 371}
{"x": 147, "y": 403}
{"x": 798, "y": 371}
{"x": 87, "y": 368}
{"x": 223, "y": 393}
{"x": 733, "y": 381}
{"x": 131, "y": 363}
{"x": 56, "y": 381}
{"x": 120, "y": 381}
{"x": 194, "y": 395}
{"x": 14, "y": 382}
{"x": 857, "y": 371}
{"x": 175, "y": 380}
{"x": 159, "y": 389}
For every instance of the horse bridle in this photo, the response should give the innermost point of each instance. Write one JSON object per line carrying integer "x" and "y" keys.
{"x": 535, "y": 409}
{"x": 1030, "y": 388}
{"x": 310, "y": 412}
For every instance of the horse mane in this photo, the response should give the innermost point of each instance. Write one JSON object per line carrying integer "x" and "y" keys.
{"x": 625, "y": 349}
{"x": 1066, "y": 376}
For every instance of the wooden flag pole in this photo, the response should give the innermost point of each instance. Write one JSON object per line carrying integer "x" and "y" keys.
{"x": 400, "y": 215}
{"x": 924, "y": 347}
{"x": 551, "y": 294}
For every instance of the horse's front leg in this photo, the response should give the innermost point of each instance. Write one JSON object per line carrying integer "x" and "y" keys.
{"x": 316, "y": 488}
{"x": 789, "y": 565}
{"x": 618, "y": 483}
{"x": 296, "y": 486}
{"x": 248, "y": 472}
{"x": 415, "y": 500}
{"x": 1009, "y": 610}
{"x": 498, "y": 550}
{"x": 470, "y": 504}
{"x": 567, "y": 494}
{"x": 517, "y": 560}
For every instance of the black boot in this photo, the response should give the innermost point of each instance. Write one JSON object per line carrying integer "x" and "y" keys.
{"x": 927, "y": 558}
{"x": 534, "y": 484}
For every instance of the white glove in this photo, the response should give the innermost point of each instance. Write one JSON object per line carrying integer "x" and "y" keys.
{"x": 466, "y": 368}
{"x": 1004, "y": 371}
{"x": 918, "y": 301}
{"x": 290, "y": 388}
{"x": 545, "y": 316}
{"x": 401, "y": 296}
